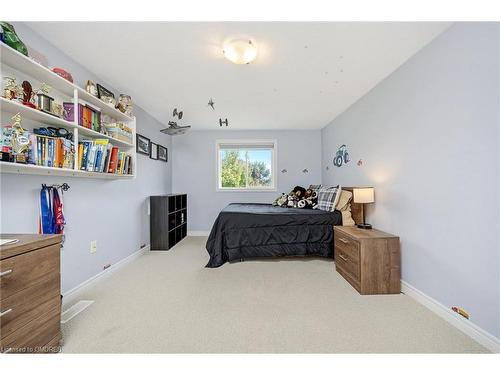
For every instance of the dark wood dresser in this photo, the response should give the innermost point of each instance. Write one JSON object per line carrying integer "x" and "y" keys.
{"x": 368, "y": 259}
{"x": 168, "y": 220}
{"x": 30, "y": 294}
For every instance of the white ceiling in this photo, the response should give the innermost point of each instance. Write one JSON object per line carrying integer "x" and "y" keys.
{"x": 305, "y": 75}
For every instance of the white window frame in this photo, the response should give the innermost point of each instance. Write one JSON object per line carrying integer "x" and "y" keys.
{"x": 247, "y": 142}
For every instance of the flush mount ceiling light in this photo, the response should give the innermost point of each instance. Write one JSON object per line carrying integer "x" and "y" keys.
{"x": 240, "y": 51}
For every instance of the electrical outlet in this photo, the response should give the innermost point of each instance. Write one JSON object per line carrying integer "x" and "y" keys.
{"x": 93, "y": 246}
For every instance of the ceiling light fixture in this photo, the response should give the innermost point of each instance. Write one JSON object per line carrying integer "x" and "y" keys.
{"x": 240, "y": 51}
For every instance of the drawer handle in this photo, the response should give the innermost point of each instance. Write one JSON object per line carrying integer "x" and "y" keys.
{"x": 5, "y": 273}
{"x": 344, "y": 258}
{"x": 343, "y": 240}
{"x": 5, "y": 312}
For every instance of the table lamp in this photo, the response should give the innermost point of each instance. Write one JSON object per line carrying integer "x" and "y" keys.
{"x": 364, "y": 195}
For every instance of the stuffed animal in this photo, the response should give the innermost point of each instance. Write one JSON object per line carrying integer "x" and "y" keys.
{"x": 299, "y": 192}
{"x": 298, "y": 198}
{"x": 281, "y": 200}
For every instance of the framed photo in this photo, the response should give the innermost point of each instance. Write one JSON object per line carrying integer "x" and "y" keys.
{"x": 105, "y": 95}
{"x": 154, "y": 151}
{"x": 162, "y": 153}
{"x": 142, "y": 144}
{"x": 91, "y": 88}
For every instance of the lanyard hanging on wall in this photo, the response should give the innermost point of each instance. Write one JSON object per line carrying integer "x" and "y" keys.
{"x": 51, "y": 219}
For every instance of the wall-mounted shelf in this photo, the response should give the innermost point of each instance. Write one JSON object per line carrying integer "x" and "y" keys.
{"x": 30, "y": 67}
{"x": 11, "y": 58}
{"x": 6, "y": 167}
{"x": 13, "y": 107}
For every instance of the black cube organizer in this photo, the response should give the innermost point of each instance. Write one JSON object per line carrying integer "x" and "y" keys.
{"x": 168, "y": 220}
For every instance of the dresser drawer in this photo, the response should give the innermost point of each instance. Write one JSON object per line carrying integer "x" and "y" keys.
{"x": 347, "y": 263}
{"x": 36, "y": 334}
{"x": 21, "y": 271}
{"x": 26, "y": 305}
{"x": 348, "y": 245}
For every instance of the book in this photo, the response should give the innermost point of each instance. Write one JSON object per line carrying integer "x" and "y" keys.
{"x": 114, "y": 160}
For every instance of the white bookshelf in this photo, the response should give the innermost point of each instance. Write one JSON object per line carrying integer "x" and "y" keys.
{"x": 12, "y": 59}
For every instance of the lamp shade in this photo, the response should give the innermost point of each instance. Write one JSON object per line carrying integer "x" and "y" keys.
{"x": 363, "y": 195}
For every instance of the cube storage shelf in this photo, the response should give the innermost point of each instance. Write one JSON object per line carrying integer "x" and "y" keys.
{"x": 17, "y": 61}
{"x": 168, "y": 220}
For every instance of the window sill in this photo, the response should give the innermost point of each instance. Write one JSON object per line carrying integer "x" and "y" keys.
{"x": 229, "y": 190}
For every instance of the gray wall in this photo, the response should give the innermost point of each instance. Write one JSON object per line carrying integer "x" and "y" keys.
{"x": 113, "y": 212}
{"x": 429, "y": 139}
{"x": 194, "y": 169}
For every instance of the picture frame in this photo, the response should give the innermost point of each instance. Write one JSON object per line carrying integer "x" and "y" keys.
{"x": 142, "y": 144}
{"x": 162, "y": 153}
{"x": 154, "y": 151}
{"x": 91, "y": 88}
{"x": 105, "y": 95}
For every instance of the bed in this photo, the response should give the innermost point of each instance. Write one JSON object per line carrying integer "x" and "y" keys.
{"x": 256, "y": 230}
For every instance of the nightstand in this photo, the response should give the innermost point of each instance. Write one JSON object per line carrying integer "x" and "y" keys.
{"x": 368, "y": 259}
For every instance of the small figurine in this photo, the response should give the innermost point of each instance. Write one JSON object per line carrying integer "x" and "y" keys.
{"x": 28, "y": 95}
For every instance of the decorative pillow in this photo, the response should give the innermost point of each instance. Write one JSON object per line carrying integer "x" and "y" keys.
{"x": 344, "y": 200}
{"x": 344, "y": 206}
{"x": 328, "y": 198}
{"x": 347, "y": 220}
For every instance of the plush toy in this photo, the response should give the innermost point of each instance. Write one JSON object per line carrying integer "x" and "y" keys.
{"x": 297, "y": 198}
{"x": 299, "y": 192}
{"x": 281, "y": 200}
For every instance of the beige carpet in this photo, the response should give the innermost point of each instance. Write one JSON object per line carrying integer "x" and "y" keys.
{"x": 168, "y": 302}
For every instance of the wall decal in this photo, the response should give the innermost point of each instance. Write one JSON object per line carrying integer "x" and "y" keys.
{"x": 327, "y": 168}
{"x": 305, "y": 170}
{"x": 360, "y": 162}
{"x": 211, "y": 103}
{"x": 341, "y": 157}
{"x": 284, "y": 171}
{"x": 223, "y": 122}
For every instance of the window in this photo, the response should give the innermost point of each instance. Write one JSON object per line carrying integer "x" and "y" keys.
{"x": 246, "y": 165}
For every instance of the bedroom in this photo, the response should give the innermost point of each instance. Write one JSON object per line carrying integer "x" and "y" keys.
{"x": 250, "y": 187}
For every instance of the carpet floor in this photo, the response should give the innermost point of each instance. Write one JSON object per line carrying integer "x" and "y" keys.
{"x": 167, "y": 302}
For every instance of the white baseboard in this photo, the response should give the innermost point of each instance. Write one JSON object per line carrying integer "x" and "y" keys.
{"x": 72, "y": 295}
{"x": 198, "y": 233}
{"x": 466, "y": 326}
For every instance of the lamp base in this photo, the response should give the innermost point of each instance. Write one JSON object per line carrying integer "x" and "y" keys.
{"x": 365, "y": 226}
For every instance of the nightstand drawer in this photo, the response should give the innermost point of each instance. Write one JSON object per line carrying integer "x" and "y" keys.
{"x": 349, "y": 246}
{"x": 347, "y": 263}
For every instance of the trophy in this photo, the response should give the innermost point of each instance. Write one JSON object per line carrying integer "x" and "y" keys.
{"x": 12, "y": 90}
{"x": 28, "y": 95}
{"x": 44, "y": 101}
{"x": 20, "y": 142}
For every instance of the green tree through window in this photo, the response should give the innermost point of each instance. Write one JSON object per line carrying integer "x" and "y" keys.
{"x": 246, "y": 168}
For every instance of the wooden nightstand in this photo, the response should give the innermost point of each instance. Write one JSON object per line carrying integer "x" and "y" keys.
{"x": 368, "y": 259}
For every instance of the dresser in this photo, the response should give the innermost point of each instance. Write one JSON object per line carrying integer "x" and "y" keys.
{"x": 168, "y": 220}
{"x": 30, "y": 294}
{"x": 368, "y": 259}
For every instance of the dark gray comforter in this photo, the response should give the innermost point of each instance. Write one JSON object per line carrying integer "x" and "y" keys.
{"x": 250, "y": 230}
